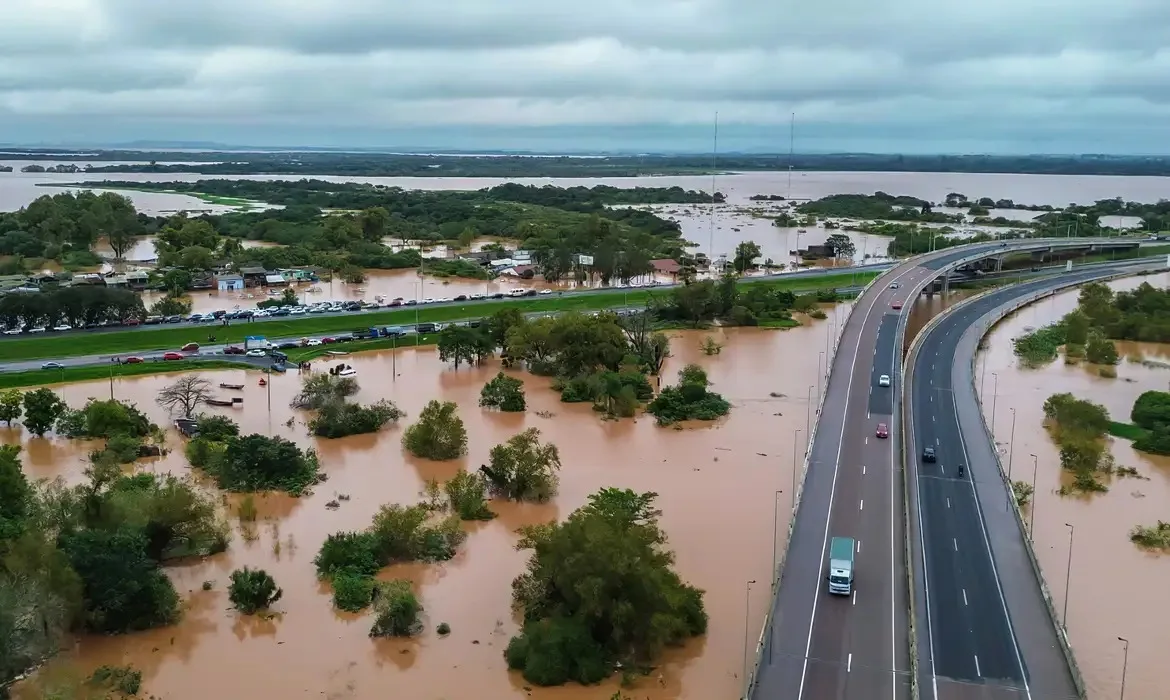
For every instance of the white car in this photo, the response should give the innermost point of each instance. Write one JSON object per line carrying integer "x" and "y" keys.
{"x": 884, "y": 380}
{"x": 38, "y": 329}
{"x": 297, "y": 311}
{"x": 63, "y": 327}
{"x": 12, "y": 331}
{"x": 428, "y": 300}
{"x": 255, "y": 352}
{"x": 546, "y": 291}
{"x": 313, "y": 342}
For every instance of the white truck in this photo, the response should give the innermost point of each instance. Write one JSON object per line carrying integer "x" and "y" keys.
{"x": 841, "y": 565}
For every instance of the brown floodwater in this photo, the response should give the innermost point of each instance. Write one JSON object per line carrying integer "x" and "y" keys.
{"x": 717, "y": 485}
{"x": 1115, "y": 588}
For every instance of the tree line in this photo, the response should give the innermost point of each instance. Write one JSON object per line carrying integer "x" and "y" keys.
{"x": 65, "y": 227}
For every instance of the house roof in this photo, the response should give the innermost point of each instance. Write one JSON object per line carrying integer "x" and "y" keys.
{"x": 253, "y": 271}
{"x": 230, "y": 278}
{"x": 274, "y": 279}
{"x": 665, "y": 266}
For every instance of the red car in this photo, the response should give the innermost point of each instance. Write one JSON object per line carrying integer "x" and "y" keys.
{"x": 130, "y": 322}
{"x": 190, "y": 347}
{"x": 327, "y": 341}
{"x": 882, "y": 431}
{"x": 897, "y": 305}
{"x": 172, "y": 356}
{"x": 233, "y": 350}
{"x": 132, "y": 360}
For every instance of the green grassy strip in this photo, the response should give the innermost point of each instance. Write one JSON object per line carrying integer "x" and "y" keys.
{"x": 41, "y": 377}
{"x": 52, "y": 346}
{"x": 1126, "y": 431}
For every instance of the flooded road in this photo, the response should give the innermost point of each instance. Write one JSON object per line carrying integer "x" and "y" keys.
{"x": 1116, "y": 589}
{"x": 717, "y": 487}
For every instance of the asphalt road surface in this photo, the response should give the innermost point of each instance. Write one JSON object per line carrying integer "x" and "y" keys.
{"x": 984, "y": 630}
{"x": 822, "y": 646}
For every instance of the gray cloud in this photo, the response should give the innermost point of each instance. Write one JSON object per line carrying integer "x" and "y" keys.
{"x": 1024, "y": 68}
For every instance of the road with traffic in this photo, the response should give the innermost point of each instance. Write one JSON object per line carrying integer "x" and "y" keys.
{"x": 986, "y": 630}
{"x": 822, "y": 646}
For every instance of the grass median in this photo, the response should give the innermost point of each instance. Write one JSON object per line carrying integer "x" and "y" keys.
{"x": 41, "y": 377}
{"x": 154, "y": 339}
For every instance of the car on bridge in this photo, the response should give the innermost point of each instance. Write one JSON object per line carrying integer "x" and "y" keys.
{"x": 928, "y": 454}
{"x": 896, "y": 306}
{"x": 884, "y": 380}
{"x": 882, "y": 431}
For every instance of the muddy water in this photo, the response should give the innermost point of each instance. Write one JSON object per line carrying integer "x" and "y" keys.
{"x": 1116, "y": 588}
{"x": 717, "y": 487}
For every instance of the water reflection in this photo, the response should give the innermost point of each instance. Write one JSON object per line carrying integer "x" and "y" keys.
{"x": 716, "y": 488}
{"x": 1113, "y": 583}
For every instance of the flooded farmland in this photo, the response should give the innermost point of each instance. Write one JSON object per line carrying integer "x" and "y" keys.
{"x": 1115, "y": 589}
{"x": 716, "y": 482}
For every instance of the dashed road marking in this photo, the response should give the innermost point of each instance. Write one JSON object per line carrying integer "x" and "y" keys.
{"x": 862, "y": 507}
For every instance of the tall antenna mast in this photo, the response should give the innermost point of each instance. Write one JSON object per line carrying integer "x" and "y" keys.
{"x": 711, "y": 224}
{"x": 791, "y": 147}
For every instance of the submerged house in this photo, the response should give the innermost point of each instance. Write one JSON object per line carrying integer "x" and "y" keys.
{"x": 229, "y": 282}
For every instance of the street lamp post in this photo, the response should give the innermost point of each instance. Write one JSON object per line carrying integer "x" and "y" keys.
{"x": 808, "y": 412}
{"x": 1032, "y": 515}
{"x": 982, "y": 376}
{"x": 1124, "y": 664}
{"x": 1068, "y": 575}
{"x": 775, "y": 533}
{"x": 820, "y": 373}
{"x": 747, "y": 609}
{"x": 994, "y": 397}
{"x": 1012, "y": 445}
{"x": 795, "y": 442}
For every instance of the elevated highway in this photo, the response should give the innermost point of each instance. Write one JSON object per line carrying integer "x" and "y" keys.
{"x": 986, "y": 629}
{"x": 815, "y": 645}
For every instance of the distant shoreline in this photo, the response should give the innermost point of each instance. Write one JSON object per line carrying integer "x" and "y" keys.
{"x": 368, "y": 164}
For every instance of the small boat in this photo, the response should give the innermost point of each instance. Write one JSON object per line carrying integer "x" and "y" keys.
{"x": 226, "y": 402}
{"x": 336, "y": 353}
{"x": 263, "y": 381}
{"x": 236, "y": 387}
{"x": 347, "y": 372}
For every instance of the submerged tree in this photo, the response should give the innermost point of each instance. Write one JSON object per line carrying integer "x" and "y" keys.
{"x": 523, "y": 469}
{"x": 185, "y": 395}
{"x": 252, "y": 590}
{"x": 438, "y": 433}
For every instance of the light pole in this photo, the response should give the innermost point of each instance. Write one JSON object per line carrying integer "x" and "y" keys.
{"x": 1032, "y": 515}
{"x": 795, "y": 442}
{"x": 1124, "y": 664}
{"x": 1068, "y": 575}
{"x": 994, "y": 396}
{"x": 775, "y": 533}
{"x": 982, "y": 376}
{"x": 820, "y": 373}
{"x": 747, "y": 609}
{"x": 808, "y": 410}
{"x": 1012, "y": 445}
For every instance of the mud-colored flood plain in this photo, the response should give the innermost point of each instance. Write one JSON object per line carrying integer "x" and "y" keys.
{"x": 1115, "y": 589}
{"x": 717, "y": 484}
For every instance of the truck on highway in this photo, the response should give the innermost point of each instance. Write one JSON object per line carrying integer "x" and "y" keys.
{"x": 841, "y": 565}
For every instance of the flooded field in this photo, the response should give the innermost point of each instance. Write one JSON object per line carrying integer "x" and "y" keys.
{"x": 716, "y": 482}
{"x": 1115, "y": 589}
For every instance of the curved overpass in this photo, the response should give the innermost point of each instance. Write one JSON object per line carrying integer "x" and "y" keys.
{"x": 814, "y": 645}
{"x": 985, "y": 627}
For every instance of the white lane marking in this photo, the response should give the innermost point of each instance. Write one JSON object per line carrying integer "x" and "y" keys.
{"x": 855, "y": 597}
{"x": 859, "y": 546}
{"x": 867, "y": 440}
{"x": 956, "y": 543}
{"x": 849, "y": 663}
{"x": 965, "y": 596}
{"x": 980, "y": 673}
{"x": 862, "y": 506}
{"x": 833, "y": 494}
{"x": 937, "y": 443}
{"x": 948, "y": 502}
{"x": 991, "y": 558}
{"x": 863, "y": 470}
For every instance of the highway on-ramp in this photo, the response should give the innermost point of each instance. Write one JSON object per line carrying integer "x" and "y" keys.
{"x": 984, "y": 629}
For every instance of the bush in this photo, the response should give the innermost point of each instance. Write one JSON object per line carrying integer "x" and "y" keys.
{"x": 523, "y": 469}
{"x": 1151, "y": 410}
{"x": 125, "y": 680}
{"x": 465, "y": 492}
{"x": 439, "y": 433}
{"x": 503, "y": 392}
{"x": 321, "y": 388}
{"x": 1100, "y": 350}
{"x": 252, "y": 590}
{"x": 216, "y": 428}
{"x": 259, "y": 463}
{"x": 348, "y": 552}
{"x": 554, "y": 651}
{"x": 337, "y": 419}
{"x": 178, "y": 519}
{"x": 397, "y": 610}
{"x": 352, "y": 592}
{"x": 443, "y": 629}
{"x": 690, "y": 400}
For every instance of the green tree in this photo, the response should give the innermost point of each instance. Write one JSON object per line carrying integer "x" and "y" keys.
{"x": 177, "y": 282}
{"x": 438, "y": 433}
{"x": 373, "y": 223}
{"x": 42, "y": 408}
{"x": 503, "y": 392}
{"x": 633, "y": 606}
{"x": 502, "y": 321}
{"x": 320, "y": 388}
{"x": 396, "y": 610}
{"x": 523, "y": 469}
{"x": 15, "y": 493}
{"x": 260, "y": 463}
{"x": 1100, "y": 350}
{"x": 1076, "y": 328}
{"x": 171, "y": 306}
{"x": 338, "y": 419}
{"x": 1151, "y": 410}
{"x": 252, "y": 590}
{"x": 124, "y": 590}
{"x": 745, "y": 256}
{"x": 466, "y": 494}
{"x": 216, "y": 428}
{"x": 463, "y": 344}
{"x": 689, "y": 400}
{"x": 841, "y": 245}
{"x": 10, "y": 405}
{"x": 1076, "y": 417}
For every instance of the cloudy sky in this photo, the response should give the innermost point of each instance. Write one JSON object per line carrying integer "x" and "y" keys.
{"x": 911, "y": 76}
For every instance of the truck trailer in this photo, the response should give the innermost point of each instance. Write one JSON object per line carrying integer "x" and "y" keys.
{"x": 840, "y": 576}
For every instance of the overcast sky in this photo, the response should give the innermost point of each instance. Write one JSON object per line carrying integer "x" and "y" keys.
{"x": 1014, "y": 76}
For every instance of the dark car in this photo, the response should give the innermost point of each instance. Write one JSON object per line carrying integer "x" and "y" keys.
{"x": 427, "y": 328}
{"x": 233, "y": 350}
{"x": 173, "y": 319}
{"x": 190, "y": 347}
{"x": 928, "y": 454}
{"x": 882, "y": 431}
{"x": 410, "y": 302}
{"x": 498, "y": 295}
{"x": 461, "y": 297}
{"x": 289, "y": 345}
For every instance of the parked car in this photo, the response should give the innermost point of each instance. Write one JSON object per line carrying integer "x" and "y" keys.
{"x": 172, "y": 355}
{"x": 312, "y": 342}
{"x": 546, "y": 291}
{"x": 62, "y": 327}
{"x": 130, "y": 322}
{"x": 427, "y": 327}
{"x": 190, "y": 347}
{"x": 233, "y": 350}
{"x": 256, "y": 352}
{"x": 173, "y": 319}
{"x": 52, "y": 365}
{"x": 328, "y": 339}
{"x": 132, "y": 360}
{"x": 882, "y": 431}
